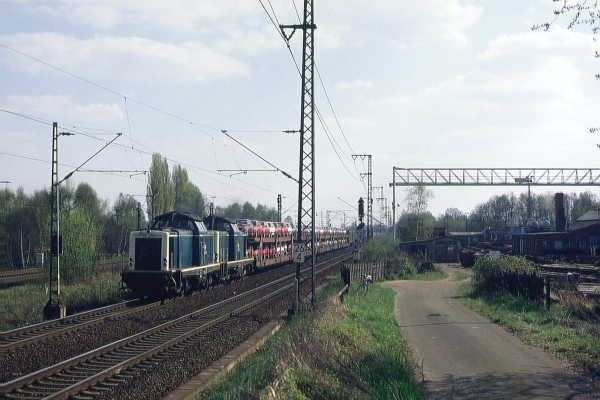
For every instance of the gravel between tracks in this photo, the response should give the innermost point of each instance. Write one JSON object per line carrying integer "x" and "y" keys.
{"x": 28, "y": 359}
{"x": 162, "y": 378}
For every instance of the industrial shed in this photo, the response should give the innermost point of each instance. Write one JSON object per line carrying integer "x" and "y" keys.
{"x": 437, "y": 249}
{"x": 581, "y": 237}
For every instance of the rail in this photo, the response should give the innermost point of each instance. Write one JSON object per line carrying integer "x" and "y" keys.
{"x": 99, "y": 364}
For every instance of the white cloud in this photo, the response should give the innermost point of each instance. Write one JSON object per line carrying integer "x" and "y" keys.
{"x": 563, "y": 41}
{"x": 356, "y": 84}
{"x": 51, "y": 107}
{"x": 394, "y": 101}
{"x": 125, "y": 58}
{"x": 453, "y": 19}
{"x": 356, "y": 123}
{"x": 179, "y": 15}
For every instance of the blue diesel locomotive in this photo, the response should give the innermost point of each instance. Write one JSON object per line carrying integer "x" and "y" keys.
{"x": 182, "y": 252}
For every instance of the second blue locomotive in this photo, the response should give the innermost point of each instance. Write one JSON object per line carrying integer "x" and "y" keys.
{"x": 183, "y": 252}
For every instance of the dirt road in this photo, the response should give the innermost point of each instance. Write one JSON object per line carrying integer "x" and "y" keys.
{"x": 465, "y": 356}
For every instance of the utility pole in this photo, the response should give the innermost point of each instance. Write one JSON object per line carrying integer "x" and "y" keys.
{"x": 3, "y": 232}
{"x": 369, "y": 196}
{"x": 306, "y": 187}
{"x": 279, "y": 208}
{"x": 55, "y": 308}
{"x": 380, "y": 199}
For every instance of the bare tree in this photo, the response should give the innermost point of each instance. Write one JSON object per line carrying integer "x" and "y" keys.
{"x": 417, "y": 199}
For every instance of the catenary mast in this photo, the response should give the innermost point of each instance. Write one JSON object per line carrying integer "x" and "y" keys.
{"x": 306, "y": 187}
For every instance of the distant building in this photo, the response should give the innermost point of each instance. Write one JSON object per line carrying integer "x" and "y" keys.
{"x": 439, "y": 231}
{"x": 469, "y": 237}
{"x": 437, "y": 249}
{"x": 580, "y": 237}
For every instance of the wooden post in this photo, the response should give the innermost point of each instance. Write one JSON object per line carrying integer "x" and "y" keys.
{"x": 548, "y": 292}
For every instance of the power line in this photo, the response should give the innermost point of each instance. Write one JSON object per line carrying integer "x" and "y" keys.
{"x": 196, "y": 125}
{"x": 321, "y": 120}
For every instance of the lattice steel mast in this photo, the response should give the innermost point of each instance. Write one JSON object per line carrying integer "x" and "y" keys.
{"x": 54, "y": 308}
{"x": 306, "y": 187}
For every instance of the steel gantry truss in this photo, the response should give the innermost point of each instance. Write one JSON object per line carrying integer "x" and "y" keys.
{"x": 306, "y": 188}
{"x": 492, "y": 177}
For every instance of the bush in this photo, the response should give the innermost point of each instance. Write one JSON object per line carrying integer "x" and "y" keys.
{"x": 401, "y": 267}
{"x": 488, "y": 272}
{"x": 379, "y": 248}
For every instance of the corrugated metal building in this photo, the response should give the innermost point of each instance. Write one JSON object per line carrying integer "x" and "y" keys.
{"x": 437, "y": 249}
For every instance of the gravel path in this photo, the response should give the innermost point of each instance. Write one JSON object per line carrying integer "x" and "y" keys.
{"x": 465, "y": 356}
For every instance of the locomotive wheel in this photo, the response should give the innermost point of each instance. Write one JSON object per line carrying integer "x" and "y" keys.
{"x": 210, "y": 281}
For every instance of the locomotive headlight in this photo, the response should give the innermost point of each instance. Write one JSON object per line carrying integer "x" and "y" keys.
{"x": 130, "y": 262}
{"x": 164, "y": 262}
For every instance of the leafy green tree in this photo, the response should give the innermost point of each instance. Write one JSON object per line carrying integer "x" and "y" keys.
{"x": 160, "y": 187}
{"x": 121, "y": 221}
{"x": 232, "y": 211}
{"x": 248, "y": 211}
{"x": 419, "y": 221}
{"x": 85, "y": 197}
{"x": 26, "y": 227}
{"x": 80, "y": 245}
{"x": 413, "y": 226}
{"x": 379, "y": 248}
{"x": 21, "y": 231}
{"x": 583, "y": 203}
{"x": 453, "y": 219}
{"x": 83, "y": 219}
{"x": 186, "y": 195}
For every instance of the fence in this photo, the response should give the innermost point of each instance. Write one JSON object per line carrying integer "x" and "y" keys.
{"x": 377, "y": 270}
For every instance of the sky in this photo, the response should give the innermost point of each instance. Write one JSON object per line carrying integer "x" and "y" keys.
{"x": 435, "y": 84}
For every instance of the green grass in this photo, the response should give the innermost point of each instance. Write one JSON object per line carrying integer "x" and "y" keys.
{"x": 461, "y": 276}
{"x": 23, "y": 305}
{"x": 428, "y": 276}
{"x": 570, "y": 330}
{"x": 349, "y": 351}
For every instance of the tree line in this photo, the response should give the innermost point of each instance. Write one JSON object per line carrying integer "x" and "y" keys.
{"x": 93, "y": 229}
{"x": 416, "y": 222}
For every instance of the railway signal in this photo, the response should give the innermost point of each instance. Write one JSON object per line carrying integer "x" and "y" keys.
{"x": 361, "y": 209}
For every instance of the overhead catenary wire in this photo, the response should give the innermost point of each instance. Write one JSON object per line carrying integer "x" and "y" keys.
{"x": 244, "y": 146}
{"x": 321, "y": 120}
{"x": 74, "y": 129}
{"x": 197, "y": 125}
{"x": 194, "y": 124}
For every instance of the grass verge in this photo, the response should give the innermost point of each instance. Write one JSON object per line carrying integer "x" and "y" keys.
{"x": 349, "y": 351}
{"x": 570, "y": 330}
{"x": 428, "y": 276}
{"x": 23, "y": 305}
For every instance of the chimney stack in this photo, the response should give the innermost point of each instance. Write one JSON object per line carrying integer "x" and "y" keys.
{"x": 559, "y": 212}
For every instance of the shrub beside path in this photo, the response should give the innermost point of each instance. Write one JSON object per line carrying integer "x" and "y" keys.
{"x": 465, "y": 356}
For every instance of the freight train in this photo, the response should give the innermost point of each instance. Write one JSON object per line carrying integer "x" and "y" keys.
{"x": 182, "y": 252}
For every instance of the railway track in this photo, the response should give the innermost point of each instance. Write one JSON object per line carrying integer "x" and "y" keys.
{"x": 20, "y": 277}
{"x": 17, "y": 277}
{"x": 103, "y": 369}
{"x": 46, "y": 330}
{"x": 587, "y": 281}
